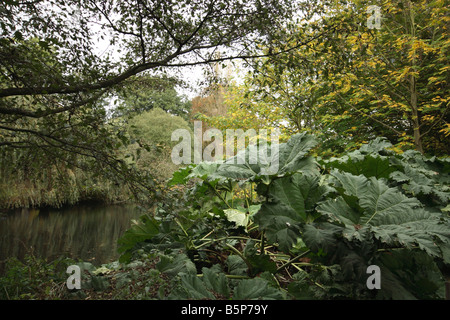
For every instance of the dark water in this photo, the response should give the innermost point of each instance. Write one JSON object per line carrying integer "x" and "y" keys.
{"x": 83, "y": 232}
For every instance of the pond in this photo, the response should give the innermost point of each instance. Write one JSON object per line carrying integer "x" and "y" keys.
{"x": 82, "y": 232}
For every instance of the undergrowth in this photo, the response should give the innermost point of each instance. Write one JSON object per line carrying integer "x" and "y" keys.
{"x": 310, "y": 231}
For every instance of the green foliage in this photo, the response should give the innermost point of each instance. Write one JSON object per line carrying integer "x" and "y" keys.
{"x": 228, "y": 230}
{"x": 43, "y": 178}
{"x": 56, "y": 86}
{"x": 290, "y": 157}
{"x": 150, "y": 135}
{"x": 309, "y": 231}
{"x": 416, "y": 175}
{"x": 145, "y": 228}
{"x": 355, "y": 83}
{"x": 55, "y": 186}
{"x": 293, "y": 201}
{"x": 145, "y": 93}
{"x": 410, "y": 275}
{"x": 138, "y": 280}
{"x": 213, "y": 283}
{"x": 155, "y": 126}
{"x": 34, "y": 278}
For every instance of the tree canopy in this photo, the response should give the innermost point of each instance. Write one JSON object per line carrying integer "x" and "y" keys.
{"x": 360, "y": 83}
{"x": 61, "y": 62}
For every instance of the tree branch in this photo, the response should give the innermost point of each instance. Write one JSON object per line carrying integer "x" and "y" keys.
{"x": 370, "y": 117}
{"x": 85, "y": 87}
{"x": 41, "y": 114}
{"x": 435, "y": 122}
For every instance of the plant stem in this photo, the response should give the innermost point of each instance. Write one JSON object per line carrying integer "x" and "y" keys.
{"x": 208, "y": 241}
{"x": 249, "y": 265}
{"x": 262, "y": 243}
{"x": 219, "y": 195}
{"x": 179, "y": 224}
{"x": 246, "y": 198}
{"x": 235, "y": 276}
{"x": 209, "y": 233}
{"x": 186, "y": 234}
{"x": 292, "y": 260}
{"x": 230, "y": 276}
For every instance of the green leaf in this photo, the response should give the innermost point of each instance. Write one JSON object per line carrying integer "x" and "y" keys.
{"x": 370, "y": 160}
{"x": 290, "y": 158}
{"x": 408, "y": 275}
{"x": 280, "y": 224}
{"x": 86, "y": 266}
{"x": 388, "y": 215}
{"x": 256, "y": 288}
{"x": 380, "y": 204}
{"x": 143, "y": 229}
{"x": 216, "y": 281}
{"x": 293, "y": 153}
{"x": 301, "y": 287}
{"x": 384, "y": 205}
{"x": 180, "y": 176}
{"x": 421, "y": 181}
{"x": 236, "y": 265}
{"x": 238, "y": 216}
{"x": 320, "y": 236}
{"x": 259, "y": 262}
{"x": 194, "y": 287}
{"x": 338, "y": 211}
{"x": 351, "y": 185}
{"x": 204, "y": 171}
{"x": 294, "y": 200}
{"x": 175, "y": 264}
{"x": 429, "y": 234}
{"x": 100, "y": 283}
{"x": 301, "y": 192}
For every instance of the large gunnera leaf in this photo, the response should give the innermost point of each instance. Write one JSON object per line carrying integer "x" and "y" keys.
{"x": 428, "y": 179}
{"x": 409, "y": 275}
{"x": 214, "y": 285}
{"x": 263, "y": 162}
{"x": 293, "y": 200}
{"x": 367, "y": 206}
{"x": 143, "y": 229}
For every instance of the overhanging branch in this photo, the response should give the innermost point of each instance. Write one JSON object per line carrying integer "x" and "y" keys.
{"x": 86, "y": 87}
{"x": 41, "y": 114}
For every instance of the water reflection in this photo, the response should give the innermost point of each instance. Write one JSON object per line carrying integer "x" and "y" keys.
{"x": 86, "y": 232}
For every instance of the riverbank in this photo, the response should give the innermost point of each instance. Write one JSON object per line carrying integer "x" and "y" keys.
{"x": 41, "y": 279}
{"x": 18, "y": 195}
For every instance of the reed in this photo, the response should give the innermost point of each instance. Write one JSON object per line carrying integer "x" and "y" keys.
{"x": 57, "y": 187}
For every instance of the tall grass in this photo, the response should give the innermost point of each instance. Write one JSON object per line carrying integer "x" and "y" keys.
{"x": 55, "y": 187}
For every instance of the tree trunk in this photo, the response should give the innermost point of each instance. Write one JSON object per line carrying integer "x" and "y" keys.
{"x": 413, "y": 88}
{"x": 415, "y": 116}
